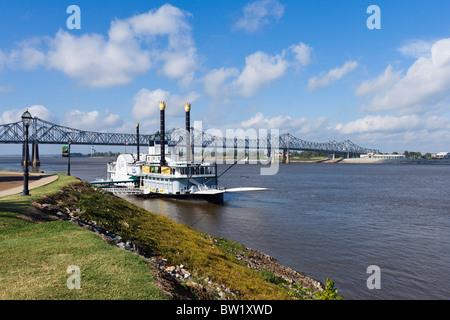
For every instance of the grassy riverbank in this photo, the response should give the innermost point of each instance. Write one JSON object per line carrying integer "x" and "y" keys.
{"x": 35, "y": 257}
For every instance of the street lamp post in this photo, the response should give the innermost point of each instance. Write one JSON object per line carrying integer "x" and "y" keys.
{"x": 68, "y": 159}
{"x": 26, "y": 119}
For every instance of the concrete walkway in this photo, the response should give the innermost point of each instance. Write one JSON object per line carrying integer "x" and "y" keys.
{"x": 12, "y": 182}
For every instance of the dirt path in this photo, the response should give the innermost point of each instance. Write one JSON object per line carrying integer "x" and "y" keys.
{"x": 12, "y": 182}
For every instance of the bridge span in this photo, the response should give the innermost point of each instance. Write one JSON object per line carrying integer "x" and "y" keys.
{"x": 45, "y": 132}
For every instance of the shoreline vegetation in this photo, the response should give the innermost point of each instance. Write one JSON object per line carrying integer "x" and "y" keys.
{"x": 70, "y": 222}
{"x": 412, "y": 157}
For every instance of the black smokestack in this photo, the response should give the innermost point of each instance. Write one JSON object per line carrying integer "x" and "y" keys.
{"x": 187, "y": 108}
{"x": 162, "y": 107}
{"x": 137, "y": 138}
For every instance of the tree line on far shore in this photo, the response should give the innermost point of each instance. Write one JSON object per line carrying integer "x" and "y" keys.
{"x": 312, "y": 154}
{"x": 108, "y": 154}
{"x": 294, "y": 154}
{"x": 416, "y": 155}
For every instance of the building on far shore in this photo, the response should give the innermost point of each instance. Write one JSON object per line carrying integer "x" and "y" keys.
{"x": 372, "y": 155}
{"x": 441, "y": 155}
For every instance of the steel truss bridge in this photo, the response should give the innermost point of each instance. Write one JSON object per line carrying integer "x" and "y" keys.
{"x": 45, "y": 132}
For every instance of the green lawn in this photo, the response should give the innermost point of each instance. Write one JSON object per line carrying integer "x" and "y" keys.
{"x": 34, "y": 258}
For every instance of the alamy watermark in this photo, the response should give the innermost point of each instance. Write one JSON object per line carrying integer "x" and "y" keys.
{"x": 251, "y": 146}
{"x": 374, "y": 280}
{"x": 374, "y": 21}
{"x": 74, "y": 281}
{"x": 74, "y": 21}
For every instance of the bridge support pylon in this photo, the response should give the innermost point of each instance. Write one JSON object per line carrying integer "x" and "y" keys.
{"x": 35, "y": 155}
{"x": 286, "y": 156}
{"x": 25, "y": 150}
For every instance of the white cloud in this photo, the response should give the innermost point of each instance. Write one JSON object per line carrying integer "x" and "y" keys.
{"x": 2, "y": 60}
{"x": 83, "y": 120}
{"x": 215, "y": 81}
{"x": 425, "y": 133}
{"x": 379, "y": 123}
{"x": 101, "y": 62}
{"x": 92, "y": 120}
{"x": 4, "y": 88}
{"x": 302, "y": 53}
{"x": 167, "y": 20}
{"x": 419, "y": 97}
{"x": 96, "y": 61}
{"x": 416, "y": 48}
{"x": 159, "y": 39}
{"x": 425, "y": 83}
{"x": 324, "y": 79}
{"x": 378, "y": 84}
{"x": 179, "y": 58}
{"x": 297, "y": 126}
{"x": 279, "y": 122}
{"x": 180, "y": 65}
{"x": 260, "y": 70}
{"x": 145, "y": 103}
{"x": 28, "y": 56}
{"x": 14, "y": 115}
{"x": 259, "y": 13}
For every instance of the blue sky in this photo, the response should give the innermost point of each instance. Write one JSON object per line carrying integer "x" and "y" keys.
{"x": 311, "y": 68}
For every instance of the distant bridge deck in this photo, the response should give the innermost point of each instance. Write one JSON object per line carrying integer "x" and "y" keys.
{"x": 45, "y": 132}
